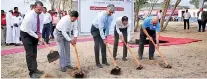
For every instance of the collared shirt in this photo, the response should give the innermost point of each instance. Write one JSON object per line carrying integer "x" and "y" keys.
{"x": 29, "y": 23}
{"x": 119, "y": 24}
{"x": 187, "y": 15}
{"x": 200, "y": 15}
{"x": 65, "y": 26}
{"x": 148, "y": 23}
{"x": 47, "y": 18}
{"x": 103, "y": 21}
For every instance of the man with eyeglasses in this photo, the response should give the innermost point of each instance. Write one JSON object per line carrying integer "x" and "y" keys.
{"x": 100, "y": 30}
{"x": 150, "y": 29}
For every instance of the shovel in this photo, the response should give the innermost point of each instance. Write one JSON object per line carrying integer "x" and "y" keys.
{"x": 78, "y": 73}
{"x": 116, "y": 70}
{"x": 166, "y": 64}
{"x": 138, "y": 63}
{"x": 53, "y": 55}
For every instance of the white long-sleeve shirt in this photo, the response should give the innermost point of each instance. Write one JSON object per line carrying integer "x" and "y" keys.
{"x": 47, "y": 18}
{"x": 29, "y": 23}
{"x": 119, "y": 24}
{"x": 65, "y": 25}
{"x": 103, "y": 21}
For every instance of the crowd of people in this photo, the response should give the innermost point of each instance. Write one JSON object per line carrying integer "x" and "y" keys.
{"x": 12, "y": 20}
{"x": 202, "y": 19}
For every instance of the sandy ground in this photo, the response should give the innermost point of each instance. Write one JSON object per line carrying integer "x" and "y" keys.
{"x": 187, "y": 60}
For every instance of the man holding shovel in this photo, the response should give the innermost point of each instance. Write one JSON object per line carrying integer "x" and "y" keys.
{"x": 30, "y": 35}
{"x": 150, "y": 29}
{"x": 120, "y": 30}
{"x": 62, "y": 34}
{"x": 100, "y": 30}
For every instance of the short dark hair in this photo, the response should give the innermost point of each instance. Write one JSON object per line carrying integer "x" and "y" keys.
{"x": 160, "y": 10}
{"x": 15, "y": 8}
{"x": 186, "y": 10}
{"x": 45, "y": 8}
{"x": 2, "y": 11}
{"x": 73, "y": 14}
{"x": 38, "y": 3}
{"x": 55, "y": 12}
{"x": 32, "y": 6}
{"x": 124, "y": 18}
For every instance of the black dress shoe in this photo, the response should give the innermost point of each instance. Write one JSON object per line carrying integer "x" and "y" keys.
{"x": 140, "y": 58}
{"x": 106, "y": 63}
{"x": 124, "y": 59}
{"x": 35, "y": 75}
{"x": 99, "y": 65}
{"x": 151, "y": 58}
{"x": 70, "y": 67}
{"x": 114, "y": 58}
{"x": 63, "y": 69}
{"x": 39, "y": 72}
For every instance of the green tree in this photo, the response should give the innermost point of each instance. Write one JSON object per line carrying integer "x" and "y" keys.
{"x": 195, "y": 3}
{"x": 138, "y": 5}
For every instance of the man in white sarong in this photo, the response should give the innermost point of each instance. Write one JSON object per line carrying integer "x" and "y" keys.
{"x": 9, "y": 26}
{"x": 16, "y": 20}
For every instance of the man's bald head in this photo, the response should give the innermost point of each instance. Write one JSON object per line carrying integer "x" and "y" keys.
{"x": 155, "y": 20}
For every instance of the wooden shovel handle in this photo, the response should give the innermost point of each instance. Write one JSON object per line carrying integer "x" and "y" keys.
{"x": 136, "y": 60}
{"x": 48, "y": 47}
{"x": 77, "y": 58}
{"x": 159, "y": 52}
{"x": 110, "y": 53}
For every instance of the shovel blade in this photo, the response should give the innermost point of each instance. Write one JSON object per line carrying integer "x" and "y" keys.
{"x": 116, "y": 71}
{"x": 79, "y": 75}
{"x": 53, "y": 56}
{"x": 139, "y": 67}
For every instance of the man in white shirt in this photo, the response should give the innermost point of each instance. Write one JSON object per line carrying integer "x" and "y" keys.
{"x": 160, "y": 15}
{"x": 187, "y": 16}
{"x": 46, "y": 27}
{"x": 120, "y": 30}
{"x": 62, "y": 34}
{"x": 30, "y": 34}
{"x": 100, "y": 30}
{"x": 201, "y": 20}
{"x": 16, "y": 20}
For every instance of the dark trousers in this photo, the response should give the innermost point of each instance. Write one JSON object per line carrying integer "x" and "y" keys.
{"x": 116, "y": 36}
{"x": 98, "y": 44}
{"x": 186, "y": 21}
{"x": 46, "y": 32}
{"x": 30, "y": 46}
{"x": 201, "y": 24}
{"x": 53, "y": 28}
{"x": 142, "y": 40}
